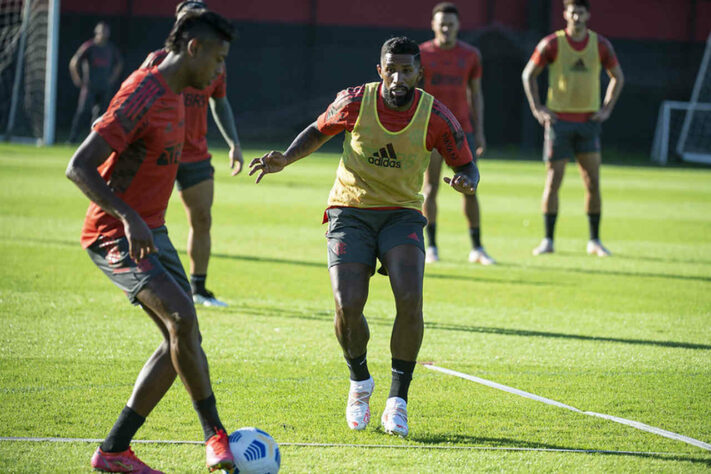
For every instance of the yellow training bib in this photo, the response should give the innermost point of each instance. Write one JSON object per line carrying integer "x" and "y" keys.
{"x": 574, "y": 77}
{"x": 380, "y": 168}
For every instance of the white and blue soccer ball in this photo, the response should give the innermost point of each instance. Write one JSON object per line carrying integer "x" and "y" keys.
{"x": 255, "y": 452}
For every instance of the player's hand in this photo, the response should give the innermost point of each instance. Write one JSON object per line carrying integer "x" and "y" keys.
{"x": 140, "y": 238}
{"x": 544, "y": 116}
{"x": 480, "y": 144}
{"x": 236, "y": 160}
{"x": 601, "y": 115}
{"x": 460, "y": 183}
{"x": 272, "y": 162}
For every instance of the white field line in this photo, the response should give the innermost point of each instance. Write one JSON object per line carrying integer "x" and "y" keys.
{"x": 548, "y": 401}
{"x": 340, "y": 445}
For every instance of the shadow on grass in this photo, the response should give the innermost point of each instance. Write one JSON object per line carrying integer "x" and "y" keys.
{"x": 608, "y": 272}
{"x": 380, "y": 321}
{"x": 522, "y": 445}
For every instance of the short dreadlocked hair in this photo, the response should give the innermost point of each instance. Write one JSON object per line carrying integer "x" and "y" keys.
{"x": 198, "y": 24}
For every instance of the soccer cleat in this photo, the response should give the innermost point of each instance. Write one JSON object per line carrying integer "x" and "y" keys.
{"x": 394, "y": 419}
{"x": 125, "y": 461}
{"x": 595, "y": 248}
{"x": 208, "y": 299}
{"x": 431, "y": 255}
{"x": 358, "y": 408}
{"x": 479, "y": 255}
{"x": 546, "y": 246}
{"x": 219, "y": 455}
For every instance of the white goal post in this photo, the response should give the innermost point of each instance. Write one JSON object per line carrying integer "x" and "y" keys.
{"x": 29, "y": 35}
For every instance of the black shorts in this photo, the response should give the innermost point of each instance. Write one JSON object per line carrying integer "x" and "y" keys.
{"x": 111, "y": 256}
{"x": 190, "y": 174}
{"x": 362, "y": 235}
{"x": 564, "y": 140}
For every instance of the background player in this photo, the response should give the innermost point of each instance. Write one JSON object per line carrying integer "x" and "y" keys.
{"x": 136, "y": 146}
{"x": 374, "y": 212}
{"x": 572, "y": 116}
{"x": 452, "y": 72}
{"x": 95, "y": 68}
{"x": 195, "y": 172}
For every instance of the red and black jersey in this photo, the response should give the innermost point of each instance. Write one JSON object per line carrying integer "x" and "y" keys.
{"x": 447, "y": 73}
{"x": 101, "y": 60}
{"x": 444, "y": 132}
{"x": 145, "y": 126}
{"x": 196, "y": 103}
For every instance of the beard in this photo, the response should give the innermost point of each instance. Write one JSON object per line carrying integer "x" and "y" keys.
{"x": 397, "y": 101}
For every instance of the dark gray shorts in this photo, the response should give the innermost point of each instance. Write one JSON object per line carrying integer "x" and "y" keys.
{"x": 362, "y": 235}
{"x": 190, "y": 174}
{"x": 564, "y": 140}
{"x": 111, "y": 256}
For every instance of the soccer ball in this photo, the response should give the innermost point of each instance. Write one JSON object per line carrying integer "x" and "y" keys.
{"x": 255, "y": 452}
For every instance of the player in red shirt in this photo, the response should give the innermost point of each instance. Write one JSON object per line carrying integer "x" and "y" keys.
{"x": 127, "y": 167}
{"x": 373, "y": 212}
{"x": 195, "y": 173}
{"x": 573, "y": 115}
{"x": 452, "y": 73}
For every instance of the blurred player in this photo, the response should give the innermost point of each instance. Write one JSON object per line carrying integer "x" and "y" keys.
{"x": 374, "y": 212}
{"x": 136, "y": 146}
{"x": 572, "y": 116}
{"x": 452, "y": 71}
{"x": 95, "y": 68}
{"x": 195, "y": 172}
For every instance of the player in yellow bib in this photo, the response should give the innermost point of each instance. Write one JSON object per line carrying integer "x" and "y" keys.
{"x": 572, "y": 116}
{"x": 374, "y": 212}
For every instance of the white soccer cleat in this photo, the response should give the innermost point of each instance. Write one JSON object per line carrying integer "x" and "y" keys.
{"x": 431, "y": 255}
{"x": 394, "y": 419}
{"x": 546, "y": 246}
{"x": 358, "y": 408}
{"x": 208, "y": 299}
{"x": 595, "y": 247}
{"x": 479, "y": 255}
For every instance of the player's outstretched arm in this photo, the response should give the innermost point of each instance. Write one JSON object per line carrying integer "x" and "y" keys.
{"x": 307, "y": 142}
{"x": 225, "y": 120}
{"x": 465, "y": 179}
{"x": 82, "y": 171}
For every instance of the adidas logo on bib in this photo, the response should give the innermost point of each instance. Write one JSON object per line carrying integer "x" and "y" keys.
{"x": 385, "y": 157}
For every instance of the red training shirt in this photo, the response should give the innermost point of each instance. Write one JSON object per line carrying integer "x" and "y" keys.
{"x": 196, "y": 102}
{"x": 145, "y": 126}
{"x": 547, "y": 51}
{"x": 443, "y": 131}
{"x": 447, "y": 76}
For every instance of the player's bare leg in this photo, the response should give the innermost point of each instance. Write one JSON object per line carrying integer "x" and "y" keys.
{"x": 429, "y": 209}
{"x": 405, "y": 264}
{"x": 472, "y": 213}
{"x": 197, "y": 200}
{"x": 589, "y": 165}
{"x": 349, "y": 282}
{"x": 555, "y": 170}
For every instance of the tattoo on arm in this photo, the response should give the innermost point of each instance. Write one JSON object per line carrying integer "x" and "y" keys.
{"x": 307, "y": 142}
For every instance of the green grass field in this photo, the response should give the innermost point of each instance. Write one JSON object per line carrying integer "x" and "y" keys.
{"x": 628, "y": 336}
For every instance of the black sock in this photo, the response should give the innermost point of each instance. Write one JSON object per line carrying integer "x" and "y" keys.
{"x": 358, "y": 368}
{"x": 475, "y": 235}
{"x": 402, "y": 376}
{"x": 122, "y": 433}
{"x": 431, "y": 231}
{"x": 549, "y": 220}
{"x": 594, "y": 220}
{"x": 197, "y": 283}
{"x": 207, "y": 412}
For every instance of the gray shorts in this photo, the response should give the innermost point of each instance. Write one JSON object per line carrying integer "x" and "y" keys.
{"x": 190, "y": 174}
{"x": 111, "y": 256}
{"x": 564, "y": 140}
{"x": 362, "y": 235}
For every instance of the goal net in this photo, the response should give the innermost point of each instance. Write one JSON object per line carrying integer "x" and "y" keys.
{"x": 684, "y": 128}
{"x": 28, "y": 69}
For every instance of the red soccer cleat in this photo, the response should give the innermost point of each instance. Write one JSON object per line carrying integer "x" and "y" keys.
{"x": 125, "y": 461}
{"x": 219, "y": 455}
